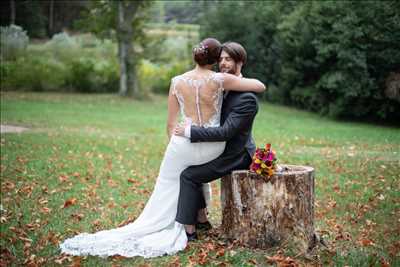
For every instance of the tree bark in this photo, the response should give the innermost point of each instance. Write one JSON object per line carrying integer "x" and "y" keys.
{"x": 264, "y": 212}
{"x": 13, "y": 12}
{"x": 51, "y": 17}
{"x": 128, "y": 81}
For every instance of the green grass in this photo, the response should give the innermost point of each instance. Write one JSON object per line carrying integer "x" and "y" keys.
{"x": 86, "y": 147}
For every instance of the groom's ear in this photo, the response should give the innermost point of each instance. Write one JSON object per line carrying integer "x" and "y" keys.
{"x": 239, "y": 65}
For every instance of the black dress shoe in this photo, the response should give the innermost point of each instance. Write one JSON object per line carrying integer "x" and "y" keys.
{"x": 205, "y": 226}
{"x": 192, "y": 236}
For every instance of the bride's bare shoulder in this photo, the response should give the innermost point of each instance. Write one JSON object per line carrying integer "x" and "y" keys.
{"x": 189, "y": 72}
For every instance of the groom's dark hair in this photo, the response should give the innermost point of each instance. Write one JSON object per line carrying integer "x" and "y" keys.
{"x": 236, "y": 51}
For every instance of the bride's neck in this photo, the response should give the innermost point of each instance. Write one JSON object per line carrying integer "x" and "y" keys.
{"x": 204, "y": 68}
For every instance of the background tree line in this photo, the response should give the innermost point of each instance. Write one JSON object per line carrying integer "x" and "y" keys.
{"x": 42, "y": 18}
{"x": 339, "y": 58}
{"x": 45, "y": 18}
{"x": 132, "y": 32}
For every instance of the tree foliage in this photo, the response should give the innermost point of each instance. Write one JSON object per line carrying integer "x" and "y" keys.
{"x": 41, "y": 18}
{"x": 332, "y": 57}
{"x": 124, "y": 21}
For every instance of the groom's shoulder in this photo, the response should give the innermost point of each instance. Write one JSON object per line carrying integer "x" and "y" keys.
{"x": 247, "y": 96}
{"x": 244, "y": 100}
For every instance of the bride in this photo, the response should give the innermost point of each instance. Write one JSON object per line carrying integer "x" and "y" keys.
{"x": 197, "y": 95}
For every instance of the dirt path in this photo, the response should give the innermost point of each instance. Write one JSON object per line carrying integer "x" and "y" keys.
{"x": 12, "y": 129}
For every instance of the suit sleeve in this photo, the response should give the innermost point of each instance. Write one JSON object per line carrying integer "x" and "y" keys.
{"x": 238, "y": 119}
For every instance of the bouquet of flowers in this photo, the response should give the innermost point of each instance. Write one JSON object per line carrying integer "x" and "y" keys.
{"x": 264, "y": 161}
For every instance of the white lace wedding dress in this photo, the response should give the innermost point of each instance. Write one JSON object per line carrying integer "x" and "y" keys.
{"x": 155, "y": 232}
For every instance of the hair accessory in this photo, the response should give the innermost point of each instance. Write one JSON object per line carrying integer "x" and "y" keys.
{"x": 201, "y": 49}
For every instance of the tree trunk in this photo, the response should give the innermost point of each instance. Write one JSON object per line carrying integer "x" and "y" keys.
{"x": 51, "y": 18}
{"x": 13, "y": 12}
{"x": 264, "y": 212}
{"x": 128, "y": 81}
{"x": 122, "y": 63}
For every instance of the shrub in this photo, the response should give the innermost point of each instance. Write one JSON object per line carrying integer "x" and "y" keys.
{"x": 81, "y": 75}
{"x": 14, "y": 42}
{"x": 106, "y": 76}
{"x": 33, "y": 73}
{"x": 158, "y": 77}
{"x": 89, "y": 76}
{"x": 63, "y": 47}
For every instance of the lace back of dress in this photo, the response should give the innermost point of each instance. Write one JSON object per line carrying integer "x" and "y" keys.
{"x": 200, "y": 98}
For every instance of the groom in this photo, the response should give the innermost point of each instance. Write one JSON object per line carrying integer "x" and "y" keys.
{"x": 237, "y": 116}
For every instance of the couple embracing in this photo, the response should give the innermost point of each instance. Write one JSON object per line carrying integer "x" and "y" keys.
{"x": 213, "y": 138}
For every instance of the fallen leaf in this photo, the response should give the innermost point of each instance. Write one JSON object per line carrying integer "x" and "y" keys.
{"x": 112, "y": 183}
{"x": 254, "y": 262}
{"x": 282, "y": 261}
{"x": 76, "y": 262}
{"x": 366, "y": 242}
{"x": 96, "y": 222}
{"x": 69, "y": 202}
{"x": 43, "y": 201}
{"x": 63, "y": 178}
{"x": 9, "y": 185}
{"x": 45, "y": 210}
{"x": 62, "y": 258}
{"x": 220, "y": 252}
{"x": 175, "y": 263}
{"x": 384, "y": 263}
{"x": 77, "y": 216}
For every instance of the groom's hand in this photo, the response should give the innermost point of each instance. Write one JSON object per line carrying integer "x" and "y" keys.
{"x": 183, "y": 129}
{"x": 179, "y": 130}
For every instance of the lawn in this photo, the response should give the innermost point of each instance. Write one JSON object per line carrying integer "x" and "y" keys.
{"x": 89, "y": 162}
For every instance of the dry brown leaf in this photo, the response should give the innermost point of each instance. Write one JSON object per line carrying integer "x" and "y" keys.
{"x": 96, "y": 222}
{"x": 220, "y": 252}
{"x": 8, "y": 185}
{"x": 69, "y": 202}
{"x": 77, "y": 216}
{"x": 43, "y": 201}
{"x": 28, "y": 240}
{"x": 366, "y": 242}
{"x": 202, "y": 257}
{"x": 63, "y": 257}
{"x": 384, "y": 263}
{"x": 63, "y": 178}
{"x": 45, "y": 210}
{"x": 253, "y": 261}
{"x": 281, "y": 261}
{"x": 112, "y": 183}
{"x": 76, "y": 262}
{"x": 175, "y": 263}
{"x": 134, "y": 181}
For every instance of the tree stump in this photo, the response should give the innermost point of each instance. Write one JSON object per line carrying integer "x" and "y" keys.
{"x": 263, "y": 212}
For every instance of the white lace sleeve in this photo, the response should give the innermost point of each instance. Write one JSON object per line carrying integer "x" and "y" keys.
{"x": 219, "y": 79}
{"x": 173, "y": 86}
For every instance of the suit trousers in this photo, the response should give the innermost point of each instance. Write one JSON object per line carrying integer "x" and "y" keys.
{"x": 191, "y": 197}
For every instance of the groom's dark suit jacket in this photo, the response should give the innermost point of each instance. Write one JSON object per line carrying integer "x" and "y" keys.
{"x": 237, "y": 115}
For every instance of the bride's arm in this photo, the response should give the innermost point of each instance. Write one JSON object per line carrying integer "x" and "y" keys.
{"x": 235, "y": 83}
{"x": 173, "y": 110}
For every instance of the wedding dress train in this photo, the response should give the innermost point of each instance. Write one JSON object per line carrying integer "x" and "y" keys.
{"x": 155, "y": 232}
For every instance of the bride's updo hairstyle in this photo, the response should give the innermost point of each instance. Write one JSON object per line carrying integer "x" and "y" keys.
{"x": 207, "y": 52}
